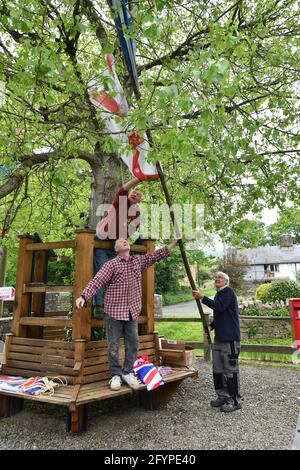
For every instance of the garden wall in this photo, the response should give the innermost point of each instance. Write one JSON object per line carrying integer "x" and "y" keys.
{"x": 265, "y": 327}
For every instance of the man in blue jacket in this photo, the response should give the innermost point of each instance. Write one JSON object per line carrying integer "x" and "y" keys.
{"x": 226, "y": 347}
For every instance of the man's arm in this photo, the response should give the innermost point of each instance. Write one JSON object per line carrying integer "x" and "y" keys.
{"x": 151, "y": 258}
{"x": 101, "y": 279}
{"x": 220, "y": 305}
{"x": 131, "y": 184}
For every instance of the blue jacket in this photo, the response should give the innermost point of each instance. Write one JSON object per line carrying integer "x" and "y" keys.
{"x": 226, "y": 315}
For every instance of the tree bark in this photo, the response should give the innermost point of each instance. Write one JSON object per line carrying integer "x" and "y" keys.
{"x": 106, "y": 182}
{"x": 3, "y": 259}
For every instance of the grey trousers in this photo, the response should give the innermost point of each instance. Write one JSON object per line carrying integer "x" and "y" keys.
{"x": 114, "y": 330}
{"x": 226, "y": 370}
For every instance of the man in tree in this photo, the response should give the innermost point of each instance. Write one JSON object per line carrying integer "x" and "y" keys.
{"x": 124, "y": 210}
{"x": 226, "y": 346}
{"x": 122, "y": 277}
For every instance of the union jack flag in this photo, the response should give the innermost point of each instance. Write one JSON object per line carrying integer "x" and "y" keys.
{"x": 114, "y": 107}
{"x": 147, "y": 373}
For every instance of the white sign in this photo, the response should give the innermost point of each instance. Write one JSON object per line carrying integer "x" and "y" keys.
{"x": 7, "y": 293}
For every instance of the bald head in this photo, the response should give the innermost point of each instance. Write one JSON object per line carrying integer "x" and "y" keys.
{"x": 122, "y": 246}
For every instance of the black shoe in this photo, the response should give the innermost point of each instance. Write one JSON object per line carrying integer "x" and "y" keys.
{"x": 229, "y": 407}
{"x": 218, "y": 402}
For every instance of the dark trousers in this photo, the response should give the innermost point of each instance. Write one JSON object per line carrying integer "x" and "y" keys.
{"x": 114, "y": 330}
{"x": 101, "y": 256}
{"x": 226, "y": 370}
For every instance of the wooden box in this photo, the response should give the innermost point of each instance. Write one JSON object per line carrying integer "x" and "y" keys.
{"x": 176, "y": 353}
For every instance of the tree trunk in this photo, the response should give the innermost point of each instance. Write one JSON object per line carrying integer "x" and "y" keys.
{"x": 106, "y": 182}
{"x": 3, "y": 259}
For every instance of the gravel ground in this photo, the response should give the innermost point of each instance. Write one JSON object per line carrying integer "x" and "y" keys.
{"x": 267, "y": 420}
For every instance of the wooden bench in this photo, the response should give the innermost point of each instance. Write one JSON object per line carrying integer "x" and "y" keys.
{"x": 85, "y": 366}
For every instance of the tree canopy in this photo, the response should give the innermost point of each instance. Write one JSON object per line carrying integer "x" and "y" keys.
{"x": 219, "y": 85}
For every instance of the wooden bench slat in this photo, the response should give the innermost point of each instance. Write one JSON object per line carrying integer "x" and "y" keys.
{"x": 95, "y": 369}
{"x": 41, "y": 358}
{"x": 96, "y": 377}
{"x": 41, "y": 342}
{"x": 65, "y": 353}
{"x": 33, "y": 373}
{"x": 95, "y": 353}
{"x": 91, "y": 361}
{"x": 41, "y": 368}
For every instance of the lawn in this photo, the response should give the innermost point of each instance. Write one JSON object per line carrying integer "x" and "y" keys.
{"x": 184, "y": 295}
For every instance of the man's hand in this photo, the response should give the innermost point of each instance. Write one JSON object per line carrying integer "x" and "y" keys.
{"x": 172, "y": 244}
{"x": 207, "y": 332}
{"x": 197, "y": 295}
{"x": 80, "y": 302}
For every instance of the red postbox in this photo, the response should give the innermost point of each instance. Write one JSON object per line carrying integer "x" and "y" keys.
{"x": 295, "y": 320}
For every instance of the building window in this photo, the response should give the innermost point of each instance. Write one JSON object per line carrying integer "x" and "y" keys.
{"x": 271, "y": 269}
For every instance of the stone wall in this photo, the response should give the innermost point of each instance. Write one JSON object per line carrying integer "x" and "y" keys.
{"x": 5, "y": 325}
{"x": 158, "y": 303}
{"x": 55, "y": 302}
{"x": 264, "y": 308}
{"x": 265, "y": 327}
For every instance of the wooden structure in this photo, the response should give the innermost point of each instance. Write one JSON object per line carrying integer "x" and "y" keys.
{"x": 83, "y": 362}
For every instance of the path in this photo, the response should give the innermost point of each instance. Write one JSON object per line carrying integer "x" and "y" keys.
{"x": 183, "y": 308}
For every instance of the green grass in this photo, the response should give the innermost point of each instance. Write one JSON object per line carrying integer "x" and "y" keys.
{"x": 172, "y": 298}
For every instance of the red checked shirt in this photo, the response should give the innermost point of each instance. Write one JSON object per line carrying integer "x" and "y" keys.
{"x": 123, "y": 282}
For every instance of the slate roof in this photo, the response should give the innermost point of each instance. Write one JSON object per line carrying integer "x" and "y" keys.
{"x": 272, "y": 254}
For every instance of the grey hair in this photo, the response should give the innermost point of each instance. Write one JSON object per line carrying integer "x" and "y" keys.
{"x": 116, "y": 242}
{"x": 223, "y": 275}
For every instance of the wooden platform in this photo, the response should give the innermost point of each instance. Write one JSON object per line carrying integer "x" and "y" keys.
{"x": 88, "y": 379}
{"x": 29, "y": 352}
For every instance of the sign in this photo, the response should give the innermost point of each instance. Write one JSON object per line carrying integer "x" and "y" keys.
{"x": 7, "y": 293}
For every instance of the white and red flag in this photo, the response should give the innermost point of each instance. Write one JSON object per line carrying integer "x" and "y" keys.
{"x": 114, "y": 110}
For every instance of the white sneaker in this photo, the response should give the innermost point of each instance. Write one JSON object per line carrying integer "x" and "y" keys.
{"x": 131, "y": 380}
{"x": 115, "y": 383}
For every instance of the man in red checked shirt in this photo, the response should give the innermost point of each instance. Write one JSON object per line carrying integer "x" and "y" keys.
{"x": 124, "y": 210}
{"x": 122, "y": 278}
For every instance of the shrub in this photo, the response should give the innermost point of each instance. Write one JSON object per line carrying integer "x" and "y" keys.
{"x": 261, "y": 291}
{"x": 281, "y": 290}
{"x": 254, "y": 312}
{"x": 279, "y": 312}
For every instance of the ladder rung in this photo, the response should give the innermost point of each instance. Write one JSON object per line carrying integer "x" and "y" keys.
{"x": 40, "y": 287}
{"x": 42, "y": 321}
{"x": 50, "y": 245}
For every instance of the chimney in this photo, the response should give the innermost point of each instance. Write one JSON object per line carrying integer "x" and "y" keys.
{"x": 286, "y": 242}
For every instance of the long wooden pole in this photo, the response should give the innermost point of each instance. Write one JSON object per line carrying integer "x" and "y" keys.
{"x": 169, "y": 202}
{"x": 182, "y": 249}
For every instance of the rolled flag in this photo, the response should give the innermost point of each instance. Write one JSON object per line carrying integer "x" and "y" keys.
{"x": 123, "y": 24}
{"x": 114, "y": 107}
{"x": 147, "y": 373}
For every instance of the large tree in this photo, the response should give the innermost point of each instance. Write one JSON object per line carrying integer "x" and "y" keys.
{"x": 219, "y": 85}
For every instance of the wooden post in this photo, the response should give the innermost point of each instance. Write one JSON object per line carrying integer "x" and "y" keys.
{"x": 24, "y": 270}
{"x": 79, "y": 359}
{"x": 81, "y": 327}
{"x": 148, "y": 292}
{"x": 38, "y": 298}
{"x": 3, "y": 260}
{"x": 207, "y": 348}
{"x": 158, "y": 362}
{"x": 77, "y": 419}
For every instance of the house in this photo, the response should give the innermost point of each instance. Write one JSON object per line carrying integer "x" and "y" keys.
{"x": 272, "y": 262}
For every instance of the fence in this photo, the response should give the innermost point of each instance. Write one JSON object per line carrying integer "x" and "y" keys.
{"x": 249, "y": 348}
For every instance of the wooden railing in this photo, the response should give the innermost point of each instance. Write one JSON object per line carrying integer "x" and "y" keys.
{"x": 248, "y": 348}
